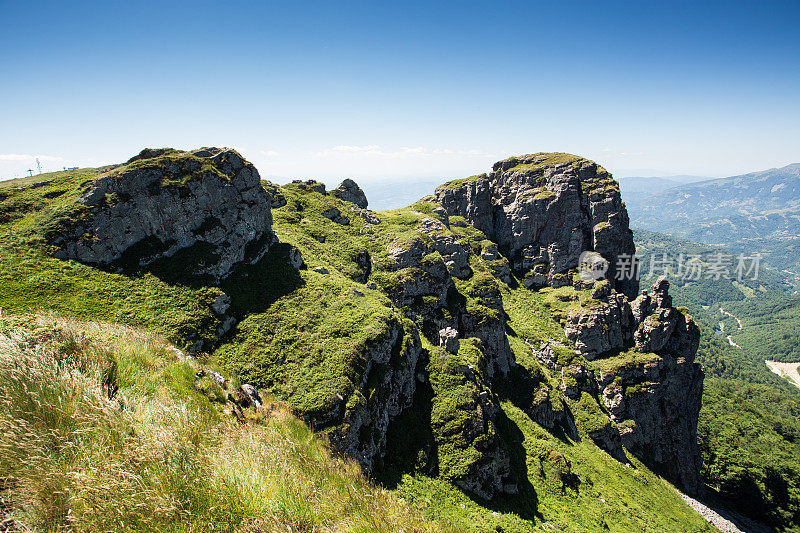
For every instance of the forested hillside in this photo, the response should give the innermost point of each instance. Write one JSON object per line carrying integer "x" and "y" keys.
{"x": 756, "y": 212}
{"x": 750, "y": 421}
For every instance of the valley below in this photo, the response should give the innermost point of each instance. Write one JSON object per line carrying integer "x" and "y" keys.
{"x": 790, "y": 371}
{"x": 449, "y": 362}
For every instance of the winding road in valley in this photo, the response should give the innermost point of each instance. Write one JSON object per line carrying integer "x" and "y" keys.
{"x": 722, "y": 326}
{"x": 790, "y": 371}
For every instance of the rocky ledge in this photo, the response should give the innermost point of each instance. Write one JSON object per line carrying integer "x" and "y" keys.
{"x": 647, "y": 379}
{"x": 206, "y": 208}
{"x": 543, "y": 210}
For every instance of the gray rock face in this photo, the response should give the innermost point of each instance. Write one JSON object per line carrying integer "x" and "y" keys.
{"x": 349, "y": 191}
{"x": 336, "y": 215}
{"x": 660, "y": 327}
{"x": 455, "y": 255}
{"x": 653, "y": 397}
{"x": 161, "y": 202}
{"x": 491, "y": 474}
{"x": 428, "y": 266}
{"x": 656, "y": 405}
{"x": 604, "y": 328}
{"x": 387, "y": 388}
{"x": 650, "y": 321}
{"x": 477, "y": 460}
{"x": 654, "y": 401}
{"x": 545, "y": 209}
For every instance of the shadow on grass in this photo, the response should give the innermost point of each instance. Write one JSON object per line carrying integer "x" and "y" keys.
{"x": 526, "y": 502}
{"x": 252, "y": 287}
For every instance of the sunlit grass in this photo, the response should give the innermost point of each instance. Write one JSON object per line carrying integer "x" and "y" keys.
{"x": 101, "y": 430}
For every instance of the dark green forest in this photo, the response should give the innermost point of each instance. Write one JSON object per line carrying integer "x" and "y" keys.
{"x": 749, "y": 430}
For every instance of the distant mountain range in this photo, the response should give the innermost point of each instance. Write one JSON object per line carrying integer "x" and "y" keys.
{"x": 756, "y": 212}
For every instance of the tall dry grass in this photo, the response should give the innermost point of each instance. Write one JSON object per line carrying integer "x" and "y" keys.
{"x": 101, "y": 429}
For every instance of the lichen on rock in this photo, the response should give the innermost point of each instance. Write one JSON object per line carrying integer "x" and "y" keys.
{"x": 544, "y": 210}
{"x": 207, "y": 205}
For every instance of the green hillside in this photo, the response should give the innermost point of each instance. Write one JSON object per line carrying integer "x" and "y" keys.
{"x": 174, "y": 458}
{"x": 756, "y": 212}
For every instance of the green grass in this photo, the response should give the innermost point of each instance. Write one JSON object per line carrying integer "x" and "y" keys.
{"x": 308, "y": 347}
{"x": 627, "y": 359}
{"x": 103, "y": 429}
{"x": 543, "y": 159}
{"x": 455, "y": 184}
{"x": 609, "y": 496}
{"x": 31, "y": 279}
{"x": 453, "y": 416}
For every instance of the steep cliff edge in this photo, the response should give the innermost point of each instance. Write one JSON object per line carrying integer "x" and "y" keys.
{"x": 543, "y": 210}
{"x": 634, "y": 354}
{"x": 450, "y": 348}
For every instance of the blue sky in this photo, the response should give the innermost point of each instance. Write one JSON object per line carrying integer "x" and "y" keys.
{"x": 403, "y": 89}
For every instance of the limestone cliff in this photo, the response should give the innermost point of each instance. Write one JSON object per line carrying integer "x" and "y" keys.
{"x": 543, "y": 210}
{"x": 207, "y": 207}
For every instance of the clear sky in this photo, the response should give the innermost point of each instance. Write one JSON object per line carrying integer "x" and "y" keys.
{"x": 403, "y": 89}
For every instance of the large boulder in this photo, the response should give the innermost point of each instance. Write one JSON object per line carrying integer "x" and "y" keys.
{"x": 349, "y": 191}
{"x": 207, "y": 205}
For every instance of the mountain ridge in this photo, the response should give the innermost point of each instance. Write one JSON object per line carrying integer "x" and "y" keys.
{"x": 414, "y": 321}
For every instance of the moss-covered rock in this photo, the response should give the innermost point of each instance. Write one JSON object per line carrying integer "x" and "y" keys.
{"x": 164, "y": 202}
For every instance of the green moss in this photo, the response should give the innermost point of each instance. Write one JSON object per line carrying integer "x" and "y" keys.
{"x": 589, "y": 417}
{"x": 178, "y": 169}
{"x": 457, "y": 379}
{"x": 308, "y": 347}
{"x": 625, "y": 360}
{"x": 455, "y": 184}
{"x": 601, "y": 226}
{"x": 544, "y": 159}
{"x": 563, "y": 301}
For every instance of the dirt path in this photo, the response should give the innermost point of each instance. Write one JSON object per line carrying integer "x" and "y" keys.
{"x": 724, "y": 312}
{"x": 723, "y": 519}
{"x": 786, "y": 370}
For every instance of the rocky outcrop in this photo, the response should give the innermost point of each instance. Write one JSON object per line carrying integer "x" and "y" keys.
{"x": 544, "y": 210}
{"x": 349, "y": 191}
{"x": 463, "y": 420}
{"x": 603, "y": 327}
{"x": 655, "y": 403}
{"x": 207, "y": 205}
{"x": 427, "y": 266}
{"x": 652, "y": 391}
{"x": 336, "y": 215}
{"x": 386, "y": 389}
{"x": 454, "y": 254}
{"x": 610, "y": 323}
{"x": 661, "y": 327}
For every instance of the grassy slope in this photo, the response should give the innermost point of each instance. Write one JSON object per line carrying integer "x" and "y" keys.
{"x": 313, "y": 318}
{"x": 610, "y": 496}
{"x": 30, "y": 279}
{"x": 156, "y": 454}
